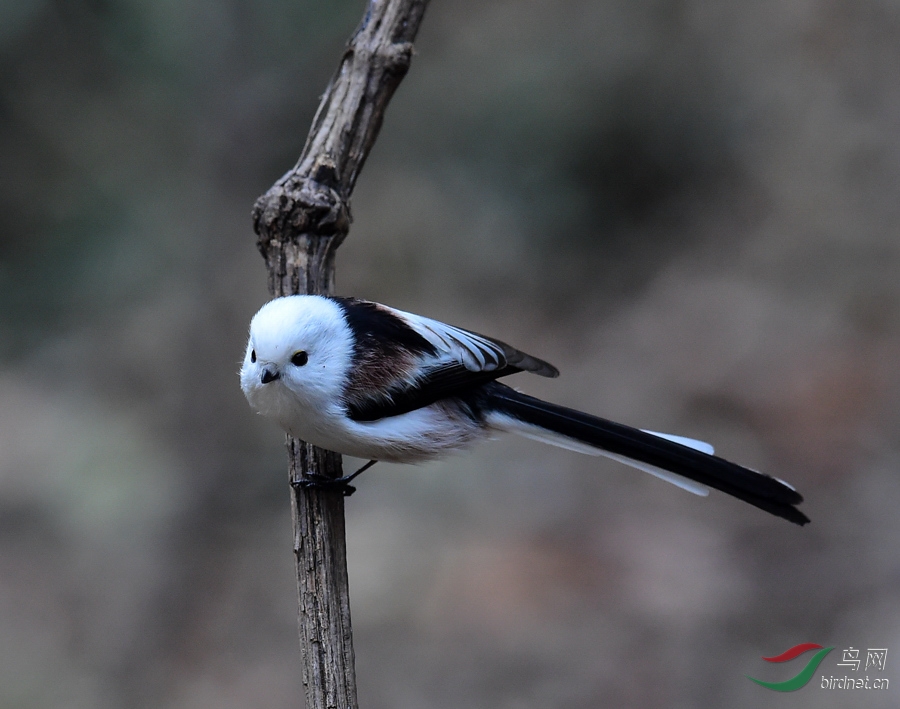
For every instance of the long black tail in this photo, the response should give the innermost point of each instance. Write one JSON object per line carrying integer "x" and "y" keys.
{"x": 758, "y": 489}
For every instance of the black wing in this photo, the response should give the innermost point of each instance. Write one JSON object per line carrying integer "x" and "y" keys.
{"x": 404, "y": 361}
{"x": 446, "y": 380}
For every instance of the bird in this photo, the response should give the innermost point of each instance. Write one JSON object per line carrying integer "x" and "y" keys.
{"x": 373, "y": 382}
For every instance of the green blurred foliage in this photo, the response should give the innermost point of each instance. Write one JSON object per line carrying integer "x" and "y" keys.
{"x": 108, "y": 110}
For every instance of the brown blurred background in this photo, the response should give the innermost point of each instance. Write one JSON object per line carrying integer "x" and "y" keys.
{"x": 690, "y": 207}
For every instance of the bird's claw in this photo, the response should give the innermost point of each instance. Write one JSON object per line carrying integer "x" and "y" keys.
{"x": 320, "y": 482}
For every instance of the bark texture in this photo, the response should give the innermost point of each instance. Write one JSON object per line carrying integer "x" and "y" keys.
{"x": 300, "y": 222}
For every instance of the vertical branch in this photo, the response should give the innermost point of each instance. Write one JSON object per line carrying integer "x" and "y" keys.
{"x": 300, "y": 222}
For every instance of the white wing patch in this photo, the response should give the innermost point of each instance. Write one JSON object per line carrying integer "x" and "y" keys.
{"x": 476, "y": 353}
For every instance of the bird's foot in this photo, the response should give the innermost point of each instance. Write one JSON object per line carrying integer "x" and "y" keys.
{"x": 342, "y": 484}
{"x": 320, "y": 482}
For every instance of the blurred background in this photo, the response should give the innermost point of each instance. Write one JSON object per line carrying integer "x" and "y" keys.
{"x": 689, "y": 206}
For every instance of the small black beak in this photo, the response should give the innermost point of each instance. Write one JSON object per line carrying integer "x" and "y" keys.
{"x": 268, "y": 376}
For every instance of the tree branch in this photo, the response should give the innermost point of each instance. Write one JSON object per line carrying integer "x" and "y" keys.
{"x": 300, "y": 222}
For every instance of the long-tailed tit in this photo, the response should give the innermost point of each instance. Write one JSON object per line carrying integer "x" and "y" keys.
{"x": 373, "y": 382}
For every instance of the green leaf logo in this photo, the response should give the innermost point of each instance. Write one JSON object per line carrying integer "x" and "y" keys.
{"x": 795, "y": 683}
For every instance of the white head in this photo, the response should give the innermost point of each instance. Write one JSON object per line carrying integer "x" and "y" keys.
{"x": 297, "y": 359}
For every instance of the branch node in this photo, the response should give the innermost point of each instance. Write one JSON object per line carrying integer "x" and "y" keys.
{"x": 299, "y": 205}
{"x": 398, "y": 57}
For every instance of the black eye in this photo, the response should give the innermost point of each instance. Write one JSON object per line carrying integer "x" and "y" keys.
{"x": 300, "y": 358}
{"x": 253, "y": 356}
